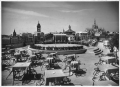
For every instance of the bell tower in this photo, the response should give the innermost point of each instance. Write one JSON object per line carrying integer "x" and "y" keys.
{"x": 38, "y": 29}
{"x": 14, "y": 33}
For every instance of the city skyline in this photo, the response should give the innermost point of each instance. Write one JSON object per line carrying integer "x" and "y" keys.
{"x": 56, "y": 16}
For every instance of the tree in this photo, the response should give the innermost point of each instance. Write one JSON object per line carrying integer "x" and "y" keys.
{"x": 114, "y": 41}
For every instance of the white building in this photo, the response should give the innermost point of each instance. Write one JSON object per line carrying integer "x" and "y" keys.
{"x": 82, "y": 35}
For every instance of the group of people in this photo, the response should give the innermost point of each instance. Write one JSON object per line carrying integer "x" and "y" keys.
{"x": 58, "y": 48}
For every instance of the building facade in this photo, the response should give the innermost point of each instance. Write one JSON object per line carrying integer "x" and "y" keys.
{"x": 16, "y": 40}
{"x": 56, "y": 38}
{"x": 28, "y": 38}
{"x": 60, "y": 38}
{"x": 82, "y": 36}
{"x": 5, "y": 40}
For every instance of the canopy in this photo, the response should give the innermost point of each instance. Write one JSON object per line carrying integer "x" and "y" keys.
{"x": 101, "y": 45}
{"x": 18, "y": 50}
{"x": 106, "y": 51}
{"x": 72, "y": 55}
{"x": 58, "y": 45}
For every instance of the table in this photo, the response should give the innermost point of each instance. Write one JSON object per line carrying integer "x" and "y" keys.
{"x": 106, "y": 67}
{"x": 18, "y": 65}
{"x": 23, "y": 64}
{"x": 105, "y": 83}
{"x": 53, "y": 74}
{"x": 107, "y": 58}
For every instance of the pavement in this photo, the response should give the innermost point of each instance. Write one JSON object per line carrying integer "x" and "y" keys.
{"x": 88, "y": 58}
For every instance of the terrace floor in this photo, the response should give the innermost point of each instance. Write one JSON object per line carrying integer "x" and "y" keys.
{"x": 88, "y": 58}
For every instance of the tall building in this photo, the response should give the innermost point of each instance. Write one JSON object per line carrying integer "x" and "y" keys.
{"x": 38, "y": 29}
{"x": 14, "y": 33}
{"x": 40, "y": 35}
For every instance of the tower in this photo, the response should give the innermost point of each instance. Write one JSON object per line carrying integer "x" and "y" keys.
{"x": 94, "y": 22}
{"x": 69, "y": 27}
{"x": 95, "y": 26}
{"x": 63, "y": 30}
{"x": 14, "y": 33}
{"x": 38, "y": 29}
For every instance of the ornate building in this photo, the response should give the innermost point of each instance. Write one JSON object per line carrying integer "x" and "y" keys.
{"x": 69, "y": 31}
{"x": 95, "y": 30}
{"x": 70, "y": 34}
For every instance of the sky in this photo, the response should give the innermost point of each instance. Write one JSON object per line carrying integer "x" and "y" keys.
{"x": 23, "y": 16}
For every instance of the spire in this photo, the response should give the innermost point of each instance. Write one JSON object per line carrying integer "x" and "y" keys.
{"x": 69, "y": 27}
{"x": 14, "y": 30}
{"x": 63, "y": 30}
{"x": 38, "y": 25}
{"x": 14, "y": 33}
{"x": 94, "y": 22}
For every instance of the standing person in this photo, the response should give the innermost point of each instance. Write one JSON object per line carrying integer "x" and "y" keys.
{"x": 78, "y": 66}
{"x": 70, "y": 72}
{"x": 65, "y": 61}
{"x": 115, "y": 53}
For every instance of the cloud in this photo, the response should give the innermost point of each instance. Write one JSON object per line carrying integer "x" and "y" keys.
{"x": 75, "y": 11}
{"x": 24, "y": 12}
